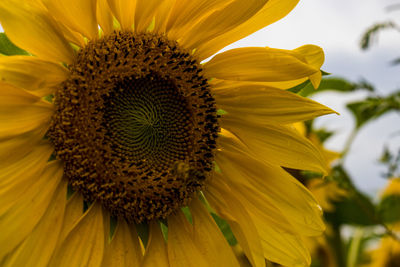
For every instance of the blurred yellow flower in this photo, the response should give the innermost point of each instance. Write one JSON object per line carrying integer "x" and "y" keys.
{"x": 116, "y": 104}
{"x": 387, "y": 254}
{"x": 393, "y": 188}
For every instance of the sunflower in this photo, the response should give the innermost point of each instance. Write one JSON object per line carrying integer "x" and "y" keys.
{"x": 118, "y": 139}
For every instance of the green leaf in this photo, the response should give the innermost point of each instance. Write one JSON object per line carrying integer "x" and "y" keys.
{"x": 323, "y": 134}
{"x": 334, "y": 84}
{"x": 386, "y": 156}
{"x": 8, "y": 48}
{"x": 389, "y": 209}
{"x": 340, "y": 176}
{"x": 356, "y": 209}
{"x": 396, "y": 61}
{"x": 374, "y": 107}
{"x": 391, "y": 162}
{"x": 373, "y": 31}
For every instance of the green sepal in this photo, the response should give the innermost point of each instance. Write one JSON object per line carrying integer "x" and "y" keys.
{"x": 335, "y": 84}
{"x": 299, "y": 87}
{"x": 113, "y": 226}
{"x": 143, "y": 232}
{"x": 8, "y": 48}
{"x": 225, "y": 229}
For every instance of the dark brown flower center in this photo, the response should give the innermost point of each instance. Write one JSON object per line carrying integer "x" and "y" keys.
{"x": 393, "y": 259}
{"x": 135, "y": 125}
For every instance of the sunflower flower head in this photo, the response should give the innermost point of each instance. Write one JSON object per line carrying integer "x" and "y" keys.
{"x": 150, "y": 125}
{"x": 120, "y": 146}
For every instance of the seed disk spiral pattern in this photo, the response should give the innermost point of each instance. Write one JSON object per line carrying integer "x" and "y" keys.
{"x": 135, "y": 125}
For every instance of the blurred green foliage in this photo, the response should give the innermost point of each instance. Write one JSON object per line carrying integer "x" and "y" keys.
{"x": 373, "y": 107}
{"x": 372, "y": 32}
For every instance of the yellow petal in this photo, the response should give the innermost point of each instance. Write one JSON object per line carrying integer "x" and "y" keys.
{"x": 32, "y": 74}
{"x": 272, "y": 11}
{"x": 300, "y": 127}
{"x": 276, "y": 144}
{"x": 241, "y": 257}
{"x": 124, "y": 11}
{"x": 19, "y": 176}
{"x": 282, "y": 247}
{"x": 162, "y": 15}
{"x": 187, "y": 13}
{"x": 72, "y": 36}
{"x": 21, "y": 112}
{"x": 209, "y": 239}
{"x": 73, "y": 213}
{"x": 78, "y": 15}
{"x": 145, "y": 10}
{"x": 19, "y": 221}
{"x": 31, "y": 28}
{"x": 221, "y": 21}
{"x": 314, "y": 56}
{"x": 259, "y": 64}
{"x": 84, "y": 245}
{"x": 38, "y": 247}
{"x": 392, "y": 188}
{"x": 280, "y": 243}
{"x": 105, "y": 17}
{"x": 156, "y": 252}
{"x": 10, "y": 94}
{"x": 326, "y": 192}
{"x": 182, "y": 250}
{"x": 286, "y": 84}
{"x": 275, "y": 186}
{"x": 124, "y": 249}
{"x": 231, "y": 209}
{"x": 15, "y": 148}
{"x": 329, "y": 155}
{"x": 263, "y": 104}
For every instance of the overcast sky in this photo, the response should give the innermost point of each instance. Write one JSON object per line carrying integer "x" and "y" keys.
{"x": 336, "y": 26}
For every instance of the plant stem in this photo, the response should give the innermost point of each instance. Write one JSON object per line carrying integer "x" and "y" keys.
{"x": 337, "y": 245}
{"x": 348, "y": 144}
